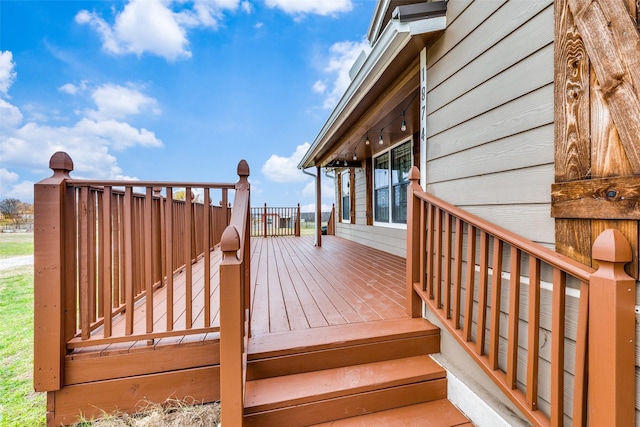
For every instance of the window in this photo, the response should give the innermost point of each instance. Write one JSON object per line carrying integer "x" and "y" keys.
{"x": 344, "y": 195}
{"x": 390, "y": 181}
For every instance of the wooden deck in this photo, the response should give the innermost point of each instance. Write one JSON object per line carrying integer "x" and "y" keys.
{"x": 294, "y": 286}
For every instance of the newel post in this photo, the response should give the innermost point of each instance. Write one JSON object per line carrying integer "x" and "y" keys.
{"x": 414, "y": 302}
{"x": 231, "y": 329}
{"x": 54, "y": 274}
{"x": 611, "y": 334}
{"x": 298, "y": 221}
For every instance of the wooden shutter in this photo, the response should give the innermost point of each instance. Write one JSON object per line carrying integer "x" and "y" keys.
{"x": 597, "y": 124}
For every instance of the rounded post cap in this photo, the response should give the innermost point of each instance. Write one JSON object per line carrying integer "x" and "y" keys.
{"x": 243, "y": 168}
{"x": 414, "y": 174}
{"x": 612, "y": 246}
{"x": 230, "y": 241}
{"x": 61, "y": 162}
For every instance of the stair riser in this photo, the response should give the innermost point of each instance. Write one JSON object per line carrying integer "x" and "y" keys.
{"x": 351, "y": 405}
{"x": 343, "y": 356}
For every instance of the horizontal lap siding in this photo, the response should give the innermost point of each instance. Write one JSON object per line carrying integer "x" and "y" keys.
{"x": 490, "y": 136}
{"x": 490, "y": 114}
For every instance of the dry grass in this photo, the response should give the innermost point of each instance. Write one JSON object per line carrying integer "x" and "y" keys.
{"x": 172, "y": 413}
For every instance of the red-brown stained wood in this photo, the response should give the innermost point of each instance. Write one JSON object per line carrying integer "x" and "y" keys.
{"x": 580, "y": 381}
{"x": 533, "y": 341}
{"x": 496, "y": 292}
{"x": 438, "y": 413}
{"x": 482, "y": 292}
{"x": 611, "y": 333}
{"x": 447, "y": 264}
{"x": 557, "y": 347}
{"x": 457, "y": 274}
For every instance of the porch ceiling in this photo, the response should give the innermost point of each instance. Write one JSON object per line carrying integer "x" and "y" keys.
{"x": 374, "y": 103}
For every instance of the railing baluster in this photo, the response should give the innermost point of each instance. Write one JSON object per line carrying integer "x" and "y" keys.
{"x": 557, "y": 347}
{"x": 187, "y": 260}
{"x": 470, "y": 281}
{"x": 514, "y": 318}
{"x": 107, "y": 259}
{"x": 423, "y": 230}
{"x": 170, "y": 260}
{"x": 437, "y": 282}
{"x": 482, "y": 292}
{"x": 91, "y": 266}
{"x": 148, "y": 265}
{"x": 429, "y": 250}
{"x": 447, "y": 264}
{"x": 118, "y": 292}
{"x": 496, "y": 291}
{"x": 100, "y": 256}
{"x": 580, "y": 380}
{"x": 83, "y": 251}
{"x": 533, "y": 345}
{"x": 457, "y": 273}
{"x": 207, "y": 258}
{"x": 128, "y": 259}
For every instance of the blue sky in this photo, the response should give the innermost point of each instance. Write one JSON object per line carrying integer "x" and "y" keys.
{"x": 173, "y": 90}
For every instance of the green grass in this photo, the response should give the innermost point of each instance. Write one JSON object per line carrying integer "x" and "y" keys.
{"x": 16, "y": 244}
{"x": 19, "y": 404}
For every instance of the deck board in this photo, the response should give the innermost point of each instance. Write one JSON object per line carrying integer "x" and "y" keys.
{"x": 295, "y": 286}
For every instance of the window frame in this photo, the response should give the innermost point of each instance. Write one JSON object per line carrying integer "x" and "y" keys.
{"x": 345, "y": 182}
{"x": 389, "y": 185}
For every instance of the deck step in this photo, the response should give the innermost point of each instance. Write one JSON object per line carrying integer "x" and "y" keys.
{"x": 332, "y": 394}
{"x": 437, "y": 413}
{"x": 337, "y": 346}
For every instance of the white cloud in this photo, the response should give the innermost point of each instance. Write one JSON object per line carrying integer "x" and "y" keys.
{"x": 154, "y": 27}
{"x": 258, "y": 25}
{"x": 118, "y": 102}
{"x": 327, "y": 188}
{"x": 247, "y": 7}
{"x": 7, "y": 72}
{"x": 285, "y": 169}
{"x": 71, "y": 89}
{"x": 11, "y": 116}
{"x": 342, "y": 56}
{"x": 27, "y": 144}
{"x": 320, "y": 7}
{"x": 319, "y": 87}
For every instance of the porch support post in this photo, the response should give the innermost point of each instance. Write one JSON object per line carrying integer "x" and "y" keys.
{"x": 54, "y": 274}
{"x": 611, "y": 333}
{"x": 318, "y": 208}
{"x": 414, "y": 302}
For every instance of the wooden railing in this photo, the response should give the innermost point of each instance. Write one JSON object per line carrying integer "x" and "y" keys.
{"x": 271, "y": 221}
{"x": 331, "y": 222}
{"x": 103, "y": 247}
{"x": 504, "y": 298}
{"x": 235, "y": 302}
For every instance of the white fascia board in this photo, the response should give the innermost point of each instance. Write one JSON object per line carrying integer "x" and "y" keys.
{"x": 394, "y": 38}
{"x": 376, "y": 22}
{"x": 430, "y": 25}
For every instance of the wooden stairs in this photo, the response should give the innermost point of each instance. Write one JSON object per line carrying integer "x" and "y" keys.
{"x": 367, "y": 374}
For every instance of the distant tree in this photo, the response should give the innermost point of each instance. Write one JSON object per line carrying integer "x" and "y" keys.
{"x": 10, "y": 208}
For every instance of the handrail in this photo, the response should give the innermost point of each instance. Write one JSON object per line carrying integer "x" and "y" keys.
{"x": 452, "y": 254}
{"x": 235, "y": 303}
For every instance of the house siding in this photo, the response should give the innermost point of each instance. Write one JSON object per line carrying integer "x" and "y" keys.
{"x": 490, "y": 114}
{"x": 490, "y": 139}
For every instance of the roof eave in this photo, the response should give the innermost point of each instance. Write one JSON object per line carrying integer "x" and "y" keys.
{"x": 391, "y": 42}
